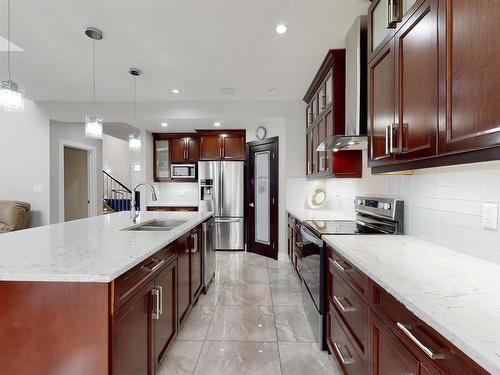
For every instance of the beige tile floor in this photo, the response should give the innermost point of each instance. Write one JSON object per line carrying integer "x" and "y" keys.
{"x": 251, "y": 322}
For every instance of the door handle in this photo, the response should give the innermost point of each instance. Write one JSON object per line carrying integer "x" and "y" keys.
{"x": 227, "y": 220}
{"x": 251, "y": 205}
{"x": 156, "y": 307}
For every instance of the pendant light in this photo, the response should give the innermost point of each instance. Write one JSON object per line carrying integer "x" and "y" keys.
{"x": 93, "y": 123}
{"x": 11, "y": 92}
{"x": 134, "y": 140}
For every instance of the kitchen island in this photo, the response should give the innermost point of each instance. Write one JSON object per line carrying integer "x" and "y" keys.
{"x": 92, "y": 297}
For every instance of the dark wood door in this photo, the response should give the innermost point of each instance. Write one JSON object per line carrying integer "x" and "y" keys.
{"x": 210, "y": 147}
{"x": 132, "y": 335}
{"x": 195, "y": 263}
{"x": 233, "y": 147}
{"x": 165, "y": 326}
{"x": 178, "y": 150}
{"x": 469, "y": 61}
{"x": 192, "y": 149}
{"x": 183, "y": 280}
{"x": 381, "y": 107}
{"x": 262, "y": 197}
{"x": 390, "y": 356}
{"x": 417, "y": 83}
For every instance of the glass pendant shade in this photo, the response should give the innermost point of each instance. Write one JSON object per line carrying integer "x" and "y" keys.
{"x": 93, "y": 127}
{"x": 11, "y": 96}
{"x": 134, "y": 142}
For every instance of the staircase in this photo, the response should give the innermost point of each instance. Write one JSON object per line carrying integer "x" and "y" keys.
{"x": 116, "y": 196}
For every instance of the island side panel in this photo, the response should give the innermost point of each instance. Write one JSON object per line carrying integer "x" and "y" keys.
{"x": 54, "y": 328}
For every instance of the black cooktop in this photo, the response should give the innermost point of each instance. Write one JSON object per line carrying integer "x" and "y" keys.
{"x": 325, "y": 227}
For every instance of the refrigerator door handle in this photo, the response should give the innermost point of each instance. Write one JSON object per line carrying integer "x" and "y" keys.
{"x": 221, "y": 189}
{"x": 227, "y": 220}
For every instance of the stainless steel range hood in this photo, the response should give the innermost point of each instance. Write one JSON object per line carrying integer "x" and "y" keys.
{"x": 356, "y": 92}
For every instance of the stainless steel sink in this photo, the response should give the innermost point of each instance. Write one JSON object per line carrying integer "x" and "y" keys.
{"x": 157, "y": 225}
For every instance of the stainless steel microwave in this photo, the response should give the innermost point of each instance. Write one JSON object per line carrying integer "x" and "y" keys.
{"x": 183, "y": 171}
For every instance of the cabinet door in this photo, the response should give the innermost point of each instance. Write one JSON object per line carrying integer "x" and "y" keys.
{"x": 132, "y": 335}
{"x": 379, "y": 31}
{"x": 183, "y": 279}
{"x": 192, "y": 149}
{"x": 322, "y": 166}
{"x": 390, "y": 356}
{"x": 309, "y": 153}
{"x": 381, "y": 107}
{"x": 178, "y": 150}
{"x": 315, "y": 154}
{"x": 210, "y": 147}
{"x": 165, "y": 315}
{"x": 161, "y": 160}
{"x": 234, "y": 147}
{"x": 469, "y": 61}
{"x": 195, "y": 263}
{"x": 417, "y": 104}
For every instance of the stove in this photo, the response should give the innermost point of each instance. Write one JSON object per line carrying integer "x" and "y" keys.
{"x": 373, "y": 216}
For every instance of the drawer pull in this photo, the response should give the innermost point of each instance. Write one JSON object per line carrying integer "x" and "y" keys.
{"x": 345, "y": 360}
{"x": 338, "y": 302}
{"x": 406, "y": 329}
{"x": 340, "y": 267}
{"x": 153, "y": 269}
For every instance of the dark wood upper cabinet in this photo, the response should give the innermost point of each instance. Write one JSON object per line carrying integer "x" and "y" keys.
{"x": 222, "y": 144}
{"x": 469, "y": 61}
{"x": 417, "y": 84}
{"x": 171, "y": 148}
{"x": 192, "y": 149}
{"x": 165, "y": 326}
{"x": 325, "y": 116}
{"x": 445, "y": 55}
{"x": 381, "y": 104}
{"x": 185, "y": 148}
{"x": 177, "y": 150}
{"x": 132, "y": 335}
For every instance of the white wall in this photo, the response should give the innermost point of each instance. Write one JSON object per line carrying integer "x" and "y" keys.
{"x": 73, "y": 132}
{"x": 443, "y": 205}
{"x": 24, "y": 155}
{"x": 116, "y": 157}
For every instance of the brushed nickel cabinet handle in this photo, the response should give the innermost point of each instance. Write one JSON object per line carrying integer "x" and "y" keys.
{"x": 387, "y": 133}
{"x": 338, "y": 302}
{"x": 344, "y": 360}
{"x": 153, "y": 269}
{"x": 160, "y": 306}
{"x": 156, "y": 295}
{"x": 340, "y": 267}
{"x": 406, "y": 329}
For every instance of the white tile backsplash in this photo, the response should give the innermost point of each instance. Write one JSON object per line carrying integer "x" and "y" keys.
{"x": 442, "y": 205}
{"x": 175, "y": 194}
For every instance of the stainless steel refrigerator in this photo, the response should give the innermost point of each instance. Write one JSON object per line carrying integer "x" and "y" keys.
{"x": 221, "y": 191}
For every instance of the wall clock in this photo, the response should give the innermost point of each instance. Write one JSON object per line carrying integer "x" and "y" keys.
{"x": 261, "y": 132}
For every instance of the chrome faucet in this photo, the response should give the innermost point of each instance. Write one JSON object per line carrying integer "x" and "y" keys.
{"x": 133, "y": 212}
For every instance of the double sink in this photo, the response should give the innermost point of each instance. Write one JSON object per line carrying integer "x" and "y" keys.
{"x": 156, "y": 225}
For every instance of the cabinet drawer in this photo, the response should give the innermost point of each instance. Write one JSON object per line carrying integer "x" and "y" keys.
{"x": 354, "y": 277}
{"x": 342, "y": 349}
{"x": 351, "y": 308}
{"x": 433, "y": 350}
{"x": 126, "y": 285}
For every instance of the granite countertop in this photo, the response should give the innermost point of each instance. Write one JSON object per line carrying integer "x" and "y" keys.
{"x": 456, "y": 294}
{"x": 96, "y": 249}
{"x": 304, "y": 214}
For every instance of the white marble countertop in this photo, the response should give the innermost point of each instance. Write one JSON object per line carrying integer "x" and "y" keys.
{"x": 172, "y": 204}
{"x": 456, "y": 294}
{"x": 96, "y": 249}
{"x": 304, "y": 214}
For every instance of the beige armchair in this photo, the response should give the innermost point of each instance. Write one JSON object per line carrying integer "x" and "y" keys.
{"x": 13, "y": 215}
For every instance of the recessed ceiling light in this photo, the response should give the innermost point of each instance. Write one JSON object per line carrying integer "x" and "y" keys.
{"x": 164, "y": 124}
{"x": 217, "y": 124}
{"x": 272, "y": 90}
{"x": 176, "y": 91}
{"x": 281, "y": 28}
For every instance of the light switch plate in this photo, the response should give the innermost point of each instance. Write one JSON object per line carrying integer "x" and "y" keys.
{"x": 37, "y": 188}
{"x": 490, "y": 216}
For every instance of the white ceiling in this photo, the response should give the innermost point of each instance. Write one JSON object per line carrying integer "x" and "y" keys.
{"x": 197, "y": 46}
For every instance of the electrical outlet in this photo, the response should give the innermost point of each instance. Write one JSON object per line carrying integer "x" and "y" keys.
{"x": 490, "y": 216}
{"x": 37, "y": 188}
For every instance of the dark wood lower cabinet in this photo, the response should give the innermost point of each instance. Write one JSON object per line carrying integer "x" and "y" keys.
{"x": 184, "y": 286}
{"x": 132, "y": 336}
{"x": 165, "y": 326}
{"x": 390, "y": 356}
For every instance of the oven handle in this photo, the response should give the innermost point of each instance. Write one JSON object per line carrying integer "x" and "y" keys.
{"x": 308, "y": 235}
